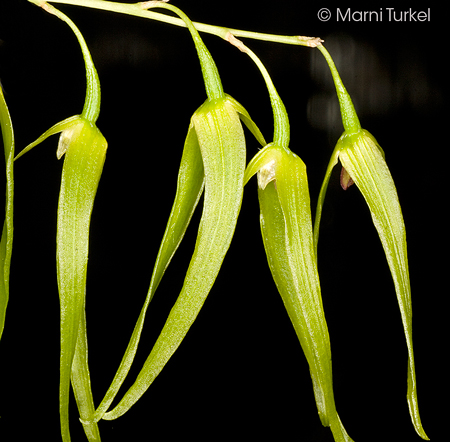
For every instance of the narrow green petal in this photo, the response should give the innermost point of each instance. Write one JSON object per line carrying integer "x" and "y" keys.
{"x": 258, "y": 161}
{"x": 247, "y": 120}
{"x": 222, "y": 144}
{"x": 323, "y": 190}
{"x": 81, "y": 173}
{"x": 364, "y": 161}
{"x": 189, "y": 189}
{"x": 7, "y": 231}
{"x": 58, "y": 127}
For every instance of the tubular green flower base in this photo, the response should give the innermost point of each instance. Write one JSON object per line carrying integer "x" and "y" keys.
{"x": 213, "y": 162}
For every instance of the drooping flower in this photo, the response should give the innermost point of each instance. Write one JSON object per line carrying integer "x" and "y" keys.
{"x": 213, "y": 161}
{"x": 84, "y": 149}
{"x": 286, "y": 227}
{"x": 364, "y": 164}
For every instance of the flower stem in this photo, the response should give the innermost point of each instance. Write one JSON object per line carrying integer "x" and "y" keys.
{"x": 281, "y": 133}
{"x": 91, "y": 109}
{"x": 211, "y": 77}
{"x": 136, "y": 10}
{"x": 349, "y": 117}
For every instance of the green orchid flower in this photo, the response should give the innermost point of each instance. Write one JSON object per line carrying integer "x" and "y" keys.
{"x": 363, "y": 163}
{"x": 213, "y": 161}
{"x": 8, "y": 227}
{"x": 84, "y": 148}
{"x": 286, "y": 228}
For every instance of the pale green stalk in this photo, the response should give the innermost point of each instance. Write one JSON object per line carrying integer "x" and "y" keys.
{"x": 138, "y": 10}
{"x": 281, "y": 135}
{"x": 91, "y": 108}
{"x": 213, "y": 84}
{"x": 350, "y": 119}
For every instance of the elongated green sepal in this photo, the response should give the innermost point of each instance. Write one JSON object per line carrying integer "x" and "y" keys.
{"x": 222, "y": 145}
{"x": 286, "y": 228}
{"x": 363, "y": 159}
{"x": 8, "y": 227}
{"x": 323, "y": 191}
{"x": 83, "y": 165}
{"x": 189, "y": 189}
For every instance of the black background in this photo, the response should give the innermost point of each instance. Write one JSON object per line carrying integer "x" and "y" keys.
{"x": 240, "y": 372}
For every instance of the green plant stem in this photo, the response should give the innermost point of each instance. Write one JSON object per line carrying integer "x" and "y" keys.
{"x": 211, "y": 76}
{"x": 136, "y": 10}
{"x": 281, "y": 135}
{"x": 91, "y": 109}
{"x": 350, "y": 119}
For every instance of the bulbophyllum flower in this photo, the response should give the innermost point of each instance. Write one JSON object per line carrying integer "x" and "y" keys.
{"x": 84, "y": 149}
{"x": 213, "y": 162}
{"x": 286, "y": 227}
{"x": 363, "y": 163}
